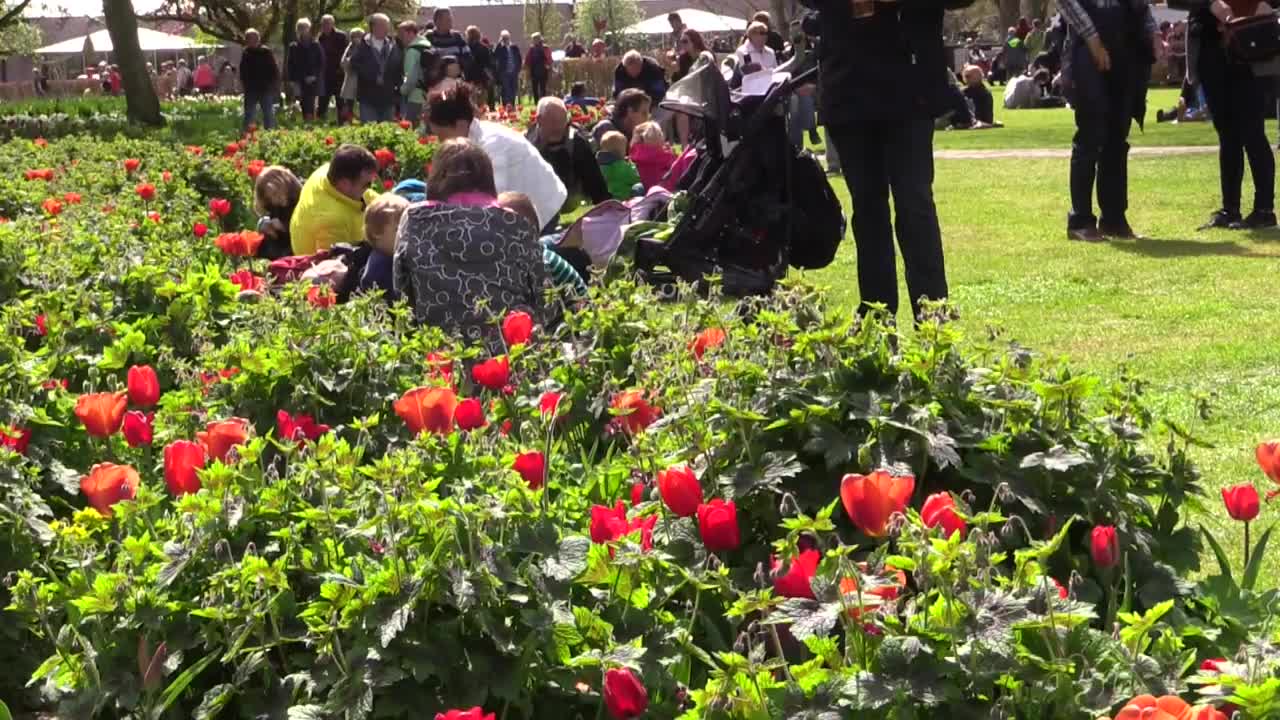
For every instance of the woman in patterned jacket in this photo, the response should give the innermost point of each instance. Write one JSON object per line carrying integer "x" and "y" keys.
{"x": 461, "y": 260}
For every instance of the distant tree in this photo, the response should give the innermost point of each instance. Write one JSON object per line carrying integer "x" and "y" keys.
{"x": 141, "y": 102}
{"x": 606, "y": 19}
{"x": 17, "y": 36}
{"x": 274, "y": 19}
{"x": 543, "y": 16}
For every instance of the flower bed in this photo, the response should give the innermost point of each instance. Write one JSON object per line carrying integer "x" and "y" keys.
{"x": 222, "y": 499}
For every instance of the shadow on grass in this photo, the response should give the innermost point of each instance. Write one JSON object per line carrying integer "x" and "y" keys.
{"x": 1155, "y": 247}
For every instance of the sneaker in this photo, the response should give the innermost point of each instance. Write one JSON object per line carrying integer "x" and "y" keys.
{"x": 1118, "y": 231}
{"x": 1087, "y": 234}
{"x": 1256, "y": 220}
{"x": 1222, "y": 219}
{"x": 1162, "y": 117}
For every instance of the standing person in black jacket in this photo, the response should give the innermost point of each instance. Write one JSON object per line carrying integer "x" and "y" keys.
{"x": 568, "y": 152}
{"x": 448, "y": 42}
{"x": 306, "y": 69}
{"x": 260, "y": 77}
{"x": 507, "y": 62}
{"x": 480, "y": 73}
{"x": 1106, "y": 62}
{"x": 642, "y": 73}
{"x": 334, "y": 44}
{"x": 378, "y": 64}
{"x": 884, "y": 78}
{"x": 1236, "y": 99}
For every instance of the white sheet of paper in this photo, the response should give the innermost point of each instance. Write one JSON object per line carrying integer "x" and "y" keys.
{"x": 758, "y": 83}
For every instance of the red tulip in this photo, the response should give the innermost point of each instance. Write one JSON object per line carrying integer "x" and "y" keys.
{"x": 199, "y": 229}
{"x": 549, "y": 403}
{"x": 255, "y": 169}
{"x": 870, "y": 500}
{"x": 243, "y": 244}
{"x": 384, "y": 157}
{"x": 633, "y": 412}
{"x": 517, "y": 328}
{"x": 40, "y": 143}
{"x": 131, "y": 165}
{"x": 624, "y": 694}
{"x": 72, "y": 198}
{"x": 680, "y": 490}
{"x": 247, "y": 281}
{"x": 637, "y": 493}
{"x": 469, "y": 414}
{"x": 219, "y": 207}
{"x": 144, "y": 386}
{"x": 1062, "y": 589}
{"x": 1268, "y": 454}
{"x": 795, "y": 583}
{"x": 220, "y": 437}
{"x": 645, "y": 525}
{"x": 137, "y": 428}
{"x": 182, "y": 461}
{"x": 166, "y": 176}
{"x": 107, "y": 484}
{"x": 1241, "y": 501}
{"x": 195, "y": 150}
{"x": 320, "y": 296}
{"x": 1104, "y": 546}
{"x": 42, "y": 325}
{"x": 15, "y": 438}
{"x": 608, "y": 524}
{"x": 154, "y": 217}
{"x": 231, "y": 149}
{"x": 532, "y": 466}
{"x": 439, "y": 366}
{"x": 428, "y": 409}
{"x": 329, "y": 140}
{"x": 101, "y": 413}
{"x": 52, "y": 206}
{"x": 298, "y": 428}
{"x": 405, "y": 124}
{"x": 940, "y": 509}
{"x": 706, "y": 340}
{"x": 146, "y": 191}
{"x": 493, "y": 373}
{"x": 718, "y": 525}
{"x": 1212, "y": 665}
{"x": 475, "y": 713}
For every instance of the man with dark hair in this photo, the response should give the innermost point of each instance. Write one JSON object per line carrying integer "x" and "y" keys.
{"x": 417, "y": 63}
{"x": 448, "y": 42}
{"x": 631, "y": 108}
{"x": 378, "y": 63}
{"x": 331, "y": 207}
{"x": 334, "y": 43}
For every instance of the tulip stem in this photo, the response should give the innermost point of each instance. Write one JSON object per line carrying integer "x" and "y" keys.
{"x": 1246, "y": 544}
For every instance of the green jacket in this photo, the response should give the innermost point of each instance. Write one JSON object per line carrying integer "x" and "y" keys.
{"x": 619, "y": 173}
{"x": 412, "y": 89}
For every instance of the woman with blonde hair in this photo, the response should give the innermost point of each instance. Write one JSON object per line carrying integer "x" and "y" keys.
{"x": 275, "y": 195}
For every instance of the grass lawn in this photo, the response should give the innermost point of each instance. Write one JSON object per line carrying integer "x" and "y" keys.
{"x": 1192, "y": 313}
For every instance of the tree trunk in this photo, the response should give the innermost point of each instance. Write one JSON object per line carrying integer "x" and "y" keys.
{"x": 140, "y": 95}
{"x": 781, "y": 18}
{"x": 1009, "y": 12}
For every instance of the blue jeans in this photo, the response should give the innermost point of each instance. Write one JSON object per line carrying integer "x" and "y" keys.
{"x": 509, "y": 83}
{"x": 801, "y": 119}
{"x": 372, "y": 113}
{"x": 253, "y": 101}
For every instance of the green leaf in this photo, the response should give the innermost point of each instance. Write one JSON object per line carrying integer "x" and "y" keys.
{"x": 1223, "y": 563}
{"x": 307, "y": 712}
{"x": 214, "y": 701}
{"x": 570, "y": 559}
{"x": 1057, "y": 459}
{"x": 808, "y": 617}
{"x": 180, "y": 683}
{"x": 4, "y": 712}
{"x": 1258, "y": 552}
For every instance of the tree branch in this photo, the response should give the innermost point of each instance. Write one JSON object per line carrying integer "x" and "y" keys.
{"x": 14, "y": 14}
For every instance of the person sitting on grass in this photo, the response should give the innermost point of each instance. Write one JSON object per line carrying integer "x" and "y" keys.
{"x": 331, "y": 206}
{"x": 975, "y": 90}
{"x": 577, "y": 97}
{"x": 275, "y": 196}
{"x": 460, "y": 259}
{"x": 562, "y": 273}
{"x": 651, "y": 154}
{"x": 381, "y": 221}
{"x": 619, "y": 172}
{"x": 630, "y": 109}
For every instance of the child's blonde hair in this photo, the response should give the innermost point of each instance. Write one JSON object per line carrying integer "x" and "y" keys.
{"x": 520, "y": 204}
{"x": 278, "y": 177}
{"x": 614, "y": 142}
{"x": 648, "y": 133}
{"x": 381, "y": 220}
{"x": 969, "y": 70}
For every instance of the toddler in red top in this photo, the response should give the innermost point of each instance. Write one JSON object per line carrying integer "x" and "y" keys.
{"x": 651, "y": 154}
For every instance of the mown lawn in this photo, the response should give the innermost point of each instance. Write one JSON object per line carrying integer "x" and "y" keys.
{"x": 1192, "y": 313}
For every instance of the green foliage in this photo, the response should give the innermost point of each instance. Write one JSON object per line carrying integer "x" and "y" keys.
{"x": 371, "y": 573}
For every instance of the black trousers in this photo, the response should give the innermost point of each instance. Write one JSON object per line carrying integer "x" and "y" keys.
{"x": 1237, "y": 106}
{"x": 1103, "y": 104}
{"x": 878, "y": 157}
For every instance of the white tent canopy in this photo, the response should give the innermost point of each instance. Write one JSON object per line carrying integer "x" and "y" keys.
{"x": 150, "y": 40}
{"x": 700, "y": 20}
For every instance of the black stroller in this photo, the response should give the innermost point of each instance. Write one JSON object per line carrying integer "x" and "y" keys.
{"x": 756, "y": 205}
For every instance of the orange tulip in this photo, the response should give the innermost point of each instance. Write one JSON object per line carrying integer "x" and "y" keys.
{"x": 220, "y": 437}
{"x": 1268, "y": 454}
{"x": 427, "y": 409}
{"x": 102, "y": 413}
{"x": 107, "y": 484}
{"x": 871, "y": 499}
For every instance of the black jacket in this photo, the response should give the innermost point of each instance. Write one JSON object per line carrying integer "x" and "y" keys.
{"x": 507, "y": 60}
{"x": 452, "y": 44}
{"x": 651, "y": 79}
{"x": 481, "y": 70}
{"x": 306, "y": 60}
{"x": 378, "y": 81}
{"x": 334, "y": 45}
{"x": 575, "y": 164}
{"x": 887, "y": 66}
{"x": 258, "y": 70}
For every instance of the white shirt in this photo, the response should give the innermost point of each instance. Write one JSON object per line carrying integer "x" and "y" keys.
{"x": 765, "y": 57}
{"x": 519, "y": 167}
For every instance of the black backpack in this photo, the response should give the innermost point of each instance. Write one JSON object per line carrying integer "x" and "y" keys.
{"x": 430, "y": 67}
{"x": 817, "y": 220}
